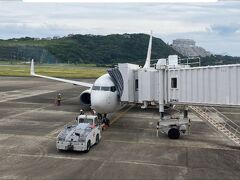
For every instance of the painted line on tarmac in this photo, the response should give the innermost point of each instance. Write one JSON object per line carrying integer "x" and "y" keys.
{"x": 25, "y": 136}
{"x": 26, "y": 112}
{"x": 121, "y": 114}
{"x": 149, "y": 115}
{"x": 133, "y": 129}
{"x": 18, "y": 94}
{"x": 145, "y": 163}
{"x": 24, "y": 103}
{"x": 231, "y": 113}
{"x": 55, "y": 131}
{"x": 36, "y": 109}
{"x": 32, "y": 111}
{"x": 199, "y": 146}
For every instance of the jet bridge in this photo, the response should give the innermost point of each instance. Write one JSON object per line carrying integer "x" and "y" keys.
{"x": 211, "y": 85}
{"x": 169, "y": 83}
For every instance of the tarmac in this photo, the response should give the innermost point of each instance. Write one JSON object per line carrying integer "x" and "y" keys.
{"x": 129, "y": 148}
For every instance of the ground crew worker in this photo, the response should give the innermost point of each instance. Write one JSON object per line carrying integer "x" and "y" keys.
{"x": 59, "y": 98}
{"x": 81, "y": 112}
{"x": 105, "y": 121}
{"x": 100, "y": 117}
{"x": 93, "y": 112}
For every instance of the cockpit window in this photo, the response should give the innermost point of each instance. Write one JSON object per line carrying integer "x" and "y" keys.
{"x": 104, "y": 88}
{"x": 96, "y": 88}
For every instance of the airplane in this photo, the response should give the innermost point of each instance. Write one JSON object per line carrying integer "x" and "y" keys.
{"x": 102, "y": 95}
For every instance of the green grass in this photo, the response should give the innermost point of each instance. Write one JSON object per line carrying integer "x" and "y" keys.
{"x": 64, "y": 71}
{"x": 19, "y": 62}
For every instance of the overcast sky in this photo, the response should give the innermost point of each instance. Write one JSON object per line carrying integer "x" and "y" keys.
{"x": 216, "y": 26}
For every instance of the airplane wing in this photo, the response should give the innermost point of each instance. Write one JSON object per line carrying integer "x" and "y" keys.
{"x": 32, "y": 72}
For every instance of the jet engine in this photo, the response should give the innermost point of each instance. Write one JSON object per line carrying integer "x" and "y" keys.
{"x": 85, "y": 99}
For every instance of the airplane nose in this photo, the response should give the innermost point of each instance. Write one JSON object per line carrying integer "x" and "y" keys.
{"x": 99, "y": 102}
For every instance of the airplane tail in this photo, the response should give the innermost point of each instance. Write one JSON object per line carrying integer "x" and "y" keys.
{"x": 32, "y": 72}
{"x": 148, "y": 59}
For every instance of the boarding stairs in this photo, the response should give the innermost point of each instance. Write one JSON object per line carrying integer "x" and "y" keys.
{"x": 219, "y": 121}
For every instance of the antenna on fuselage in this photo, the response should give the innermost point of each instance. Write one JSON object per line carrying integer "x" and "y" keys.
{"x": 148, "y": 59}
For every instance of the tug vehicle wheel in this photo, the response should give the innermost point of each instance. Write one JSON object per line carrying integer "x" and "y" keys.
{"x": 173, "y": 133}
{"x": 60, "y": 150}
{"x": 97, "y": 139}
{"x": 88, "y": 146}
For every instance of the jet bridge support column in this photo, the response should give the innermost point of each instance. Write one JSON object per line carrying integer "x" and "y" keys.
{"x": 161, "y": 86}
{"x": 185, "y": 112}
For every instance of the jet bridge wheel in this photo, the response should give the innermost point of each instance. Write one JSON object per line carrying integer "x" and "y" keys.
{"x": 173, "y": 133}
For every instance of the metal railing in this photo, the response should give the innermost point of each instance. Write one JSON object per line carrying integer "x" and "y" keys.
{"x": 229, "y": 124}
{"x": 219, "y": 121}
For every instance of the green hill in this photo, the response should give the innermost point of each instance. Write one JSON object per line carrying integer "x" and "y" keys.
{"x": 219, "y": 60}
{"x": 92, "y": 49}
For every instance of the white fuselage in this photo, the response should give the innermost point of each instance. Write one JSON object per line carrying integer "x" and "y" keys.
{"x": 104, "y": 96}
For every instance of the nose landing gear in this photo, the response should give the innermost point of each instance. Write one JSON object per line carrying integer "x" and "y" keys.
{"x": 104, "y": 120}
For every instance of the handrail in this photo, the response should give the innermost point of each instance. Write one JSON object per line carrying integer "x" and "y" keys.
{"x": 226, "y": 126}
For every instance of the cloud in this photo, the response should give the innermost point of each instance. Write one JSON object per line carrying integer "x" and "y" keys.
{"x": 224, "y": 29}
{"x": 208, "y": 24}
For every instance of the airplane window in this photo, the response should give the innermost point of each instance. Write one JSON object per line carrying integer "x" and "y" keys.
{"x": 96, "y": 88}
{"x": 104, "y": 88}
{"x": 113, "y": 88}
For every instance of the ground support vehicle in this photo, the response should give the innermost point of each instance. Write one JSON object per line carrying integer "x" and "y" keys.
{"x": 81, "y": 136}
